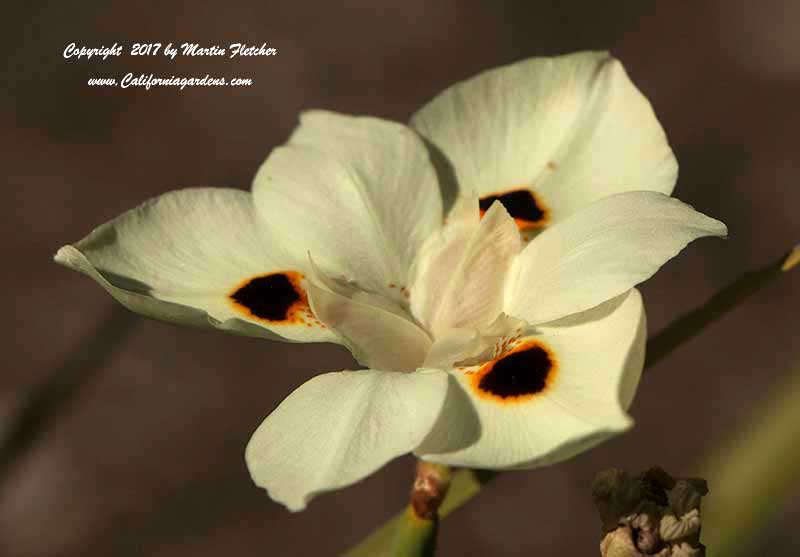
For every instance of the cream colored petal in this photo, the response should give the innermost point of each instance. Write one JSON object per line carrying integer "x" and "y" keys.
{"x": 183, "y": 256}
{"x": 359, "y": 193}
{"x": 339, "y": 427}
{"x": 565, "y": 390}
{"x": 572, "y": 129}
{"x": 602, "y": 251}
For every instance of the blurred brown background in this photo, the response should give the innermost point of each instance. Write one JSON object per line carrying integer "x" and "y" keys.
{"x": 142, "y": 454}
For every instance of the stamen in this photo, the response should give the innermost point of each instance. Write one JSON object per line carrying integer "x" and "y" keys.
{"x": 517, "y": 375}
{"x": 522, "y": 204}
{"x": 276, "y": 298}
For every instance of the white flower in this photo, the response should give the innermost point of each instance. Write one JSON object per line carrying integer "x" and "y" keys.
{"x": 486, "y": 347}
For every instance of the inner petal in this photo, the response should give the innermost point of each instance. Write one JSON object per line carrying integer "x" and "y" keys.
{"x": 461, "y": 280}
{"x": 468, "y": 347}
{"x": 378, "y": 333}
{"x": 451, "y": 347}
{"x": 524, "y": 206}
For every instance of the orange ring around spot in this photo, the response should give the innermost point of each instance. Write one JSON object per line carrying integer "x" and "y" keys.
{"x": 476, "y": 377}
{"x": 295, "y": 312}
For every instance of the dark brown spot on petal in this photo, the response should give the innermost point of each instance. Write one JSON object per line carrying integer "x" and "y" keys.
{"x": 522, "y": 204}
{"x": 518, "y": 375}
{"x": 277, "y": 298}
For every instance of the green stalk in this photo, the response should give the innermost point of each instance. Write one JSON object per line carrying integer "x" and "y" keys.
{"x": 691, "y": 324}
{"x": 413, "y": 536}
{"x": 754, "y": 475}
{"x": 403, "y": 535}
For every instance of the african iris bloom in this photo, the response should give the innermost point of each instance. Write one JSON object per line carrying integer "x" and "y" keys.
{"x": 480, "y": 263}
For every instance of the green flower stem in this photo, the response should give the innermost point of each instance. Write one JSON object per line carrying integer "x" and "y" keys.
{"x": 687, "y": 327}
{"x": 43, "y": 403}
{"x": 413, "y": 536}
{"x": 754, "y": 475}
{"x": 468, "y": 483}
{"x": 403, "y": 533}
